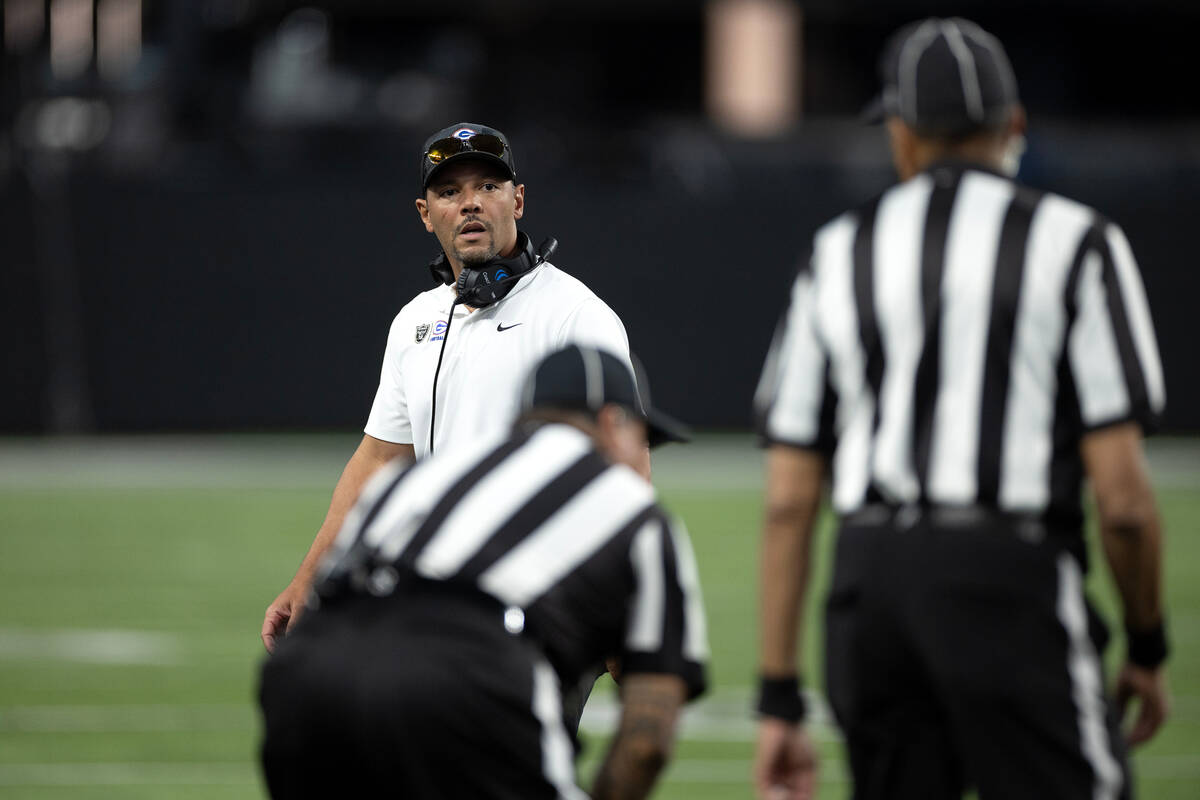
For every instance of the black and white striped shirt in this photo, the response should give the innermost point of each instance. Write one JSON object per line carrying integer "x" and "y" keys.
{"x": 575, "y": 546}
{"x": 951, "y": 341}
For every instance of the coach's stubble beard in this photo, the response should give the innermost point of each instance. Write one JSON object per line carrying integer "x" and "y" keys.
{"x": 477, "y": 258}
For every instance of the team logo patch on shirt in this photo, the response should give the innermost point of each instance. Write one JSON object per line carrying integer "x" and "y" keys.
{"x": 422, "y": 330}
{"x": 439, "y": 331}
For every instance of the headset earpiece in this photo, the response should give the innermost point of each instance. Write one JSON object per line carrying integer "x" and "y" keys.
{"x": 442, "y": 274}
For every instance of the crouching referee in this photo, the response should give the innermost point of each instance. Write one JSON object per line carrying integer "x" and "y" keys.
{"x": 466, "y": 590}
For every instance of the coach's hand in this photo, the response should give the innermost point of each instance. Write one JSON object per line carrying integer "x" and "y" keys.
{"x": 785, "y": 766}
{"x": 1149, "y": 686}
{"x": 282, "y": 614}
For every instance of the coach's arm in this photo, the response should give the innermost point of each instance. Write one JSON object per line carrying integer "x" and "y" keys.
{"x": 785, "y": 763}
{"x": 371, "y": 454}
{"x": 642, "y": 747}
{"x": 1132, "y": 537}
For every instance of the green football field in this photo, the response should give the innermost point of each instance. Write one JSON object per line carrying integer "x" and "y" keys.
{"x": 134, "y": 573}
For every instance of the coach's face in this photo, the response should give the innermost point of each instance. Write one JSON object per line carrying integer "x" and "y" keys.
{"x": 473, "y": 211}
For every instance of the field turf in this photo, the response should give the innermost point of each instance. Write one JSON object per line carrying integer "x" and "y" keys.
{"x": 134, "y": 574}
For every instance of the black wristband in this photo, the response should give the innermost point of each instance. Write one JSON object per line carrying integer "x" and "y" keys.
{"x": 1148, "y": 648}
{"x": 781, "y": 698}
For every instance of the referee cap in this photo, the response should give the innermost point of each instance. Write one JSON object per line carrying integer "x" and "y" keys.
{"x": 944, "y": 77}
{"x": 466, "y": 141}
{"x": 579, "y": 378}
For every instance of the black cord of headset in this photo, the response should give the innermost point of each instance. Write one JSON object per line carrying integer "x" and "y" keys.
{"x": 544, "y": 252}
{"x": 437, "y": 371}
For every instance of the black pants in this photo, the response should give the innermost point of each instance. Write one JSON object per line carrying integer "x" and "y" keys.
{"x": 412, "y": 697}
{"x": 967, "y": 657}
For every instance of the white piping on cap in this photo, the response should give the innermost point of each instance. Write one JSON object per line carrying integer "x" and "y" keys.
{"x": 593, "y": 371}
{"x": 992, "y": 44}
{"x": 908, "y": 65}
{"x": 972, "y": 91}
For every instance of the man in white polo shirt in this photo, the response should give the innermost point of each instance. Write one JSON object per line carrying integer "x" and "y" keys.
{"x": 457, "y": 354}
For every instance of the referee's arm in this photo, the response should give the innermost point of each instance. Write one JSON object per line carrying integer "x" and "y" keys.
{"x": 1117, "y": 374}
{"x": 795, "y": 407}
{"x": 666, "y": 647}
{"x": 1131, "y": 534}
{"x": 650, "y": 705}
{"x": 785, "y": 756}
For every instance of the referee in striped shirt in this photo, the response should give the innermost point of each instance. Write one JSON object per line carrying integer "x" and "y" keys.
{"x": 464, "y": 591}
{"x": 963, "y": 352}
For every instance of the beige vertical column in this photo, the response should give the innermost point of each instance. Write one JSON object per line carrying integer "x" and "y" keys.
{"x": 753, "y": 65}
{"x": 23, "y": 25}
{"x": 118, "y": 37}
{"x": 71, "y": 41}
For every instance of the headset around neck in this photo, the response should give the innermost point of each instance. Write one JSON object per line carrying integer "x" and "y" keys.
{"x": 480, "y": 287}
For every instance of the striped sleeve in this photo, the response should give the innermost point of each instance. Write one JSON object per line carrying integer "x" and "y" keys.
{"x": 794, "y": 401}
{"x": 1112, "y": 351}
{"x": 665, "y": 630}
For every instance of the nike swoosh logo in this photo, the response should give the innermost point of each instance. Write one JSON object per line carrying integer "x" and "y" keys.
{"x": 500, "y": 326}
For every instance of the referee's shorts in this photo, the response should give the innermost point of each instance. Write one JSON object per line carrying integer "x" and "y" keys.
{"x": 961, "y": 652}
{"x": 421, "y": 694}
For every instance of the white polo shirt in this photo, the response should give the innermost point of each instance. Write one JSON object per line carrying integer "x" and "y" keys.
{"x": 489, "y": 353}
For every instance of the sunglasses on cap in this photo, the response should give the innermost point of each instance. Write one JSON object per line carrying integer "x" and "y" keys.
{"x": 442, "y": 149}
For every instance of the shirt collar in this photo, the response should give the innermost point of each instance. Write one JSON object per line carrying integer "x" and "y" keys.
{"x": 958, "y": 166}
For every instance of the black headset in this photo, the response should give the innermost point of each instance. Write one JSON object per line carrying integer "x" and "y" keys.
{"x": 480, "y": 287}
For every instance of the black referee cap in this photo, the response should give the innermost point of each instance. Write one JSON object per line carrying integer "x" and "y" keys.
{"x": 944, "y": 77}
{"x": 579, "y": 378}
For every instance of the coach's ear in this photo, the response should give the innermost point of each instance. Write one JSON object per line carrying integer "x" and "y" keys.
{"x": 423, "y": 210}
{"x": 518, "y": 200}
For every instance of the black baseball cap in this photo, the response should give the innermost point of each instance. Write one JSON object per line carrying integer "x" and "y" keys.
{"x": 579, "y": 378}
{"x": 466, "y": 140}
{"x": 944, "y": 77}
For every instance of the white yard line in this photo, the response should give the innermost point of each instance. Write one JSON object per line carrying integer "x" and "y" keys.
{"x": 220, "y": 773}
{"x": 301, "y": 461}
{"x": 737, "y": 771}
{"x": 724, "y": 715}
{"x": 150, "y": 718}
{"x": 90, "y": 646}
{"x": 733, "y": 771}
{"x": 1168, "y": 767}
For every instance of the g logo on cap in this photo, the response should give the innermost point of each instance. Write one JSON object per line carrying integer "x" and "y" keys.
{"x": 464, "y": 133}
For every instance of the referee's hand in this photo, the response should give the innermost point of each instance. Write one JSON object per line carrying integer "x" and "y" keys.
{"x": 1149, "y": 687}
{"x": 785, "y": 766}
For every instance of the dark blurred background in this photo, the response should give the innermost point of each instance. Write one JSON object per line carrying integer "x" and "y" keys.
{"x": 207, "y": 204}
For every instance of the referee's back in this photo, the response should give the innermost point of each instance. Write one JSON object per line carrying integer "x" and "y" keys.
{"x": 971, "y": 331}
{"x": 968, "y": 350}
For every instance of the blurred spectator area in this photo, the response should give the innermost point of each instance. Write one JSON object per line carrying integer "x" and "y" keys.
{"x": 207, "y": 204}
